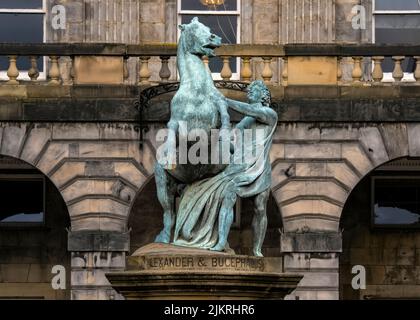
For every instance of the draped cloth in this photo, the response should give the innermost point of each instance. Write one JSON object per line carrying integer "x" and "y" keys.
{"x": 198, "y": 212}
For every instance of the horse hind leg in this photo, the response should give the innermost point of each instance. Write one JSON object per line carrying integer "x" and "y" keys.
{"x": 166, "y": 189}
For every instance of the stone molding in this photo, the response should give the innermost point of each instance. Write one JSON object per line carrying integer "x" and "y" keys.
{"x": 98, "y": 241}
{"x": 311, "y": 242}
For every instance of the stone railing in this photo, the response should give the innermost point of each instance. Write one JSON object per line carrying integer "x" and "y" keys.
{"x": 301, "y": 64}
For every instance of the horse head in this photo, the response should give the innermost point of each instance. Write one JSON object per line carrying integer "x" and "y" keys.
{"x": 198, "y": 38}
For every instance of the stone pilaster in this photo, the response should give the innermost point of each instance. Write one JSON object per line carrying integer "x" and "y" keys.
{"x": 93, "y": 254}
{"x": 316, "y": 256}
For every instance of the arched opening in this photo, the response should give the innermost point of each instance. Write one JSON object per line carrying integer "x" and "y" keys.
{"x": 33, "y": 236}
{"x": 145, "y": 222}
{"x": 241, "y": 236}
{"x": 381, "y": 233}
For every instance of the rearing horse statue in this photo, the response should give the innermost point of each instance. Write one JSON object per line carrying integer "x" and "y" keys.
{"x": 198, "y": 104}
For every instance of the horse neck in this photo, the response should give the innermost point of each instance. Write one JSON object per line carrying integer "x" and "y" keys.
{"x": 191, "y": 68}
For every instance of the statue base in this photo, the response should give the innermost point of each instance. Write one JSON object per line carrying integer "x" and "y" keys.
{"x": 161, "y": 271}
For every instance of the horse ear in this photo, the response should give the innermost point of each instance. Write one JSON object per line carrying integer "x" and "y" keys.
{"x": 181, "y": 27}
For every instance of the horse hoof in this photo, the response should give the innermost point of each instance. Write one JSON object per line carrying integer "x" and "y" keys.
{"x": 217, "y": 248}
{"x": 258, "y": 254}
{"x": 163, "y": 238}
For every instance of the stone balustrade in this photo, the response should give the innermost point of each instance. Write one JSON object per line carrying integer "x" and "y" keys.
{"x": 295, "y": 64}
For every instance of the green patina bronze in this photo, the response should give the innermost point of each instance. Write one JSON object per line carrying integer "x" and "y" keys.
{"x": 205, "y": 212}
{"x": 198, "y": 104}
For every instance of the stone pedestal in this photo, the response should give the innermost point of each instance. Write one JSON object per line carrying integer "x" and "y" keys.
{"x": 159, "y": 271}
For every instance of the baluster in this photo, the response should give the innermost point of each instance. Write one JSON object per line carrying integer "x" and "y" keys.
{"x": 165, "y": 72}
{"x": 144, "y": 72}
{"x": 72, "y": 69}
{"x": 125, "y": 68}
{"x": 206, "y": 63}
{"x": 33, "y": 72}
{"x": 339, "y": 71}
{"x": 226, "y": 72}
{"x": 54, "y": 72}
{"x": 66, "y": 67}
{"x": 13, "y": 71}
{"x": 398, "y": 73}
{"x": 357, "y": 73}
{"x": 285, "y": 72}
{"x": 377, "y": 74}
{"x": 267, "y": 73}
{"x": 417, "y": 71}
{"x": 246, "y": 72}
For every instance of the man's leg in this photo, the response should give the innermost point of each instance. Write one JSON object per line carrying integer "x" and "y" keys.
{"x": 259, "y": 221}
{"x": 225, "y": 220}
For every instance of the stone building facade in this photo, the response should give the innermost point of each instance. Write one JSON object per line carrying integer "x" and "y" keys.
{"x": 96, "y": 151}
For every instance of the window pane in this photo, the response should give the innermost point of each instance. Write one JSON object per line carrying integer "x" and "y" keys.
{"x": 397, "y": 202}
{"x": 396, "y": 215}
{"x": 20, "y": 4}
{"x": 397, "y": 5}
{"x": 398, "y": 29}
{"x": 223, "y": 26}
{"x": 228, "y": 5}
{"x": 216, "y": 64}
{"x": 27, "y": 28}
{"x": 22, "y": 201}
{"x": 408, "y": 65}
{"x": 23, "y": 63}
{"x": 398, "y": 21}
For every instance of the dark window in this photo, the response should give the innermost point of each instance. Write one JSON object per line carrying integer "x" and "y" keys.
{"x": 22, "y": 200}
{"x": 398, "y": 29}
{"x": 21, "y": 27}
{"x": 394, "y": 26}
{"x": 396, "y": 201}
{"x": 27, "y": 28}
{"x": 224, "y": 25}
{"x": 397, "y": 5}
{"x": 227, "y": 5}
{"x": 21, "y": 22}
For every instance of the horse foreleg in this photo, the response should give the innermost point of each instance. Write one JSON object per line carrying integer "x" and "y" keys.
{"x": 166, "y": 189}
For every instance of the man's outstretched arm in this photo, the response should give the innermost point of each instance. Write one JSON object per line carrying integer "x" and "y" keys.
{"x": 262, "y": 114}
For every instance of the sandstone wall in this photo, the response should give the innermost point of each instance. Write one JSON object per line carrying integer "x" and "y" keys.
{"x": 262, "y": 22}
{"x": 28, "y": 255}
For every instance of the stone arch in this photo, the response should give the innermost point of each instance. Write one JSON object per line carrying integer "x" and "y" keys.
{"x": 27, "y": 142}
{"x": 316, "y": 167}
{"x": 387, "y": 254}
{"x": 97, "y": 168}
{"x": 30, "y": 249}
